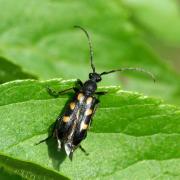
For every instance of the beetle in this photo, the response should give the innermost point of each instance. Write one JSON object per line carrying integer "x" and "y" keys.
{"x": 71, "y": 127}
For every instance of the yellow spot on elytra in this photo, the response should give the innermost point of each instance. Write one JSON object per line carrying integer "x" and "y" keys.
{"x": 80, "y": 96}
{"x": 84, "y": 126}
{"x": 72, "y": 105}
{"x": 88, "y": 112}
{"x": 89, "y": 100}
{"x": 66, "y": 118}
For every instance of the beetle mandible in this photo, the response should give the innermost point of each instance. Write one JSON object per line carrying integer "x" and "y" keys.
{"x": 71, "y": 127}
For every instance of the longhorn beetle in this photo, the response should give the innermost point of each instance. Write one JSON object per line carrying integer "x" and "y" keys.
{"x": 71, "y": 127}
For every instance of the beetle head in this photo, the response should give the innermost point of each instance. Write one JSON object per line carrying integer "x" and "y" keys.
{"x": 95, "y": 77}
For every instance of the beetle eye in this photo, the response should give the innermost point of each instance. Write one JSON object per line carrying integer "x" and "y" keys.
{"x": 90, "y": 75}
{"x": 98, "y": 79}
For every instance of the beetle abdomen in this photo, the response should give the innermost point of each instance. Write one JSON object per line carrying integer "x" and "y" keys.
{"x": 85, "y": 120}
{"x": 66, "y": 122}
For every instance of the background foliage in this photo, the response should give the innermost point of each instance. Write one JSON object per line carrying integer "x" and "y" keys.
{"x": 37, "y": 40}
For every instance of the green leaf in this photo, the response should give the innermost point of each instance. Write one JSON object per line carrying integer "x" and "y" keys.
{"x": 132, "y": 136}
{"x": 156, "y": 16}
{"x": 10, "y": 71}
{"x": 15, "y": 169}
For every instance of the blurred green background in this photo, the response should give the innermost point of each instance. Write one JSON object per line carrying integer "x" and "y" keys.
{"x": 37, "y": 40}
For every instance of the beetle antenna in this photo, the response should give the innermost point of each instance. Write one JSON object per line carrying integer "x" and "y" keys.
{"x": 90, "y": 47}
{"x": 131, "y": 69}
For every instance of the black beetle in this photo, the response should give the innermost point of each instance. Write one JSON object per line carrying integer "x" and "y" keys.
{"x": 71, "y": 127}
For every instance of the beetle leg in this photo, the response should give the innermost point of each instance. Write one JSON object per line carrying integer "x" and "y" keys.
{"x": 44, "y": 140}
{"x": 83, "y": 150}
{"x": 54, "y": 93}
{"x": 101, "y": 93}
{"x": 79, "y": 82}
{"x": 75, "y": 89}
{"x": 50, "y": 136}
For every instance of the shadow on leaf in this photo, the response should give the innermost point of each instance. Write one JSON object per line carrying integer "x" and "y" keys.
{"x": 57, "y": 156}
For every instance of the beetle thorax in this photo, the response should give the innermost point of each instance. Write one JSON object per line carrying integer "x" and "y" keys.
{"x": 89, "y": 87}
